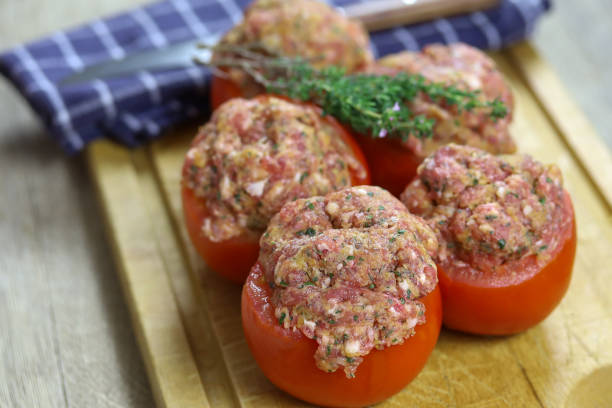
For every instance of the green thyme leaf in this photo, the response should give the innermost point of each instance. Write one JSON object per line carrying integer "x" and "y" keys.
{"x": 370, "y": 104}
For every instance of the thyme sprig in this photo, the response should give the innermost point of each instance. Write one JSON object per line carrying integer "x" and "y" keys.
{"x": 370, "y": 104}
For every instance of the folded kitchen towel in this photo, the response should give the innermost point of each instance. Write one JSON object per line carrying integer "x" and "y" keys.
{"x": 137, "y": 108}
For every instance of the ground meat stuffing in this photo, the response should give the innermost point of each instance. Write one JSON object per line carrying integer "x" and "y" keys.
{"x": 304, "y": 28}
{"x": 491, "y": 213}
{"x": 466, "y": 68}
{"x": 254, "y": 155}
{"x": 347, "y": 270}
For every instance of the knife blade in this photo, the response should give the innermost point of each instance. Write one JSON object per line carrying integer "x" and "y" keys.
{"x": 375, "y": 15}
{"x": 179, "y": 55}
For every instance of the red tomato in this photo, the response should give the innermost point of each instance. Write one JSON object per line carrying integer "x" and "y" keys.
{"x": 286, "y": 357}
{"x": 222, "y": 90}
{"x": 478, "y": 306}
{"x": 392, "y": 166}
{"x": 229, "y": 258}
{"x": 234, "y": 257}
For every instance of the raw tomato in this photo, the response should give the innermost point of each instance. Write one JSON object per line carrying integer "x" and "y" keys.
{"x": 286, "y": 357}
{"x": 482, "y": 305}
{"x": 392, "y": 166}
{"x": 222, "y": 90}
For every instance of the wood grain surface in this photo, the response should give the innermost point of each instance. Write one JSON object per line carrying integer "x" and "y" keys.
{"x": 66, "y": 339}
{"x": 574, "y": 38}
{"x": 564, "y": 361}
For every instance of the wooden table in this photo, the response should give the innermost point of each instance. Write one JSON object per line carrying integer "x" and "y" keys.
{"x": 65, "y": 335}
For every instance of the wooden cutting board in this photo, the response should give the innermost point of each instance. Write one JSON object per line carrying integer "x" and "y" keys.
{"x": 188, "y": 321}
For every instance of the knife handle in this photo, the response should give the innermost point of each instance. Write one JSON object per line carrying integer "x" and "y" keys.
{"x": 381, "y": 14}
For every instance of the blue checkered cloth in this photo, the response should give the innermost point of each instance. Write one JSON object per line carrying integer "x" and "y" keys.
{"x": 138, "y": 108}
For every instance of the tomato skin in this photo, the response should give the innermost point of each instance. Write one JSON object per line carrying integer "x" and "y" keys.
{"x": 234, "y": 258}
{"x": 480, "y": 308}
{"x": 392, "y": 166}
{"x": 229, "y": 258}
{"x": 286, "y": 357}
{"x": 222, "y": 90}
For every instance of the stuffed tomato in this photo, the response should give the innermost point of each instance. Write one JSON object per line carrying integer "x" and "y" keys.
{"x": 298, "y": 28}
{"x": 342, "y": 307}
{"x": 247, "y": 161}
{"x": 507, "y": 237}
{"x": 394, "y": 161}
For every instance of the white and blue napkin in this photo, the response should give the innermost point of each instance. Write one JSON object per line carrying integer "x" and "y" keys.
{"x": 137, "y": 108}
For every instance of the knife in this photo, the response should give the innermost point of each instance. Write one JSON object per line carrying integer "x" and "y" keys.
{"x": 374, "y": 14}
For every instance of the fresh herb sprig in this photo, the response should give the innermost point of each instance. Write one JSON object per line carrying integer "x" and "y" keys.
{"x": 370, "y": 104}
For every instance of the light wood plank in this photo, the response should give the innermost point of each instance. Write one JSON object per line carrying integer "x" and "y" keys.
{"x": 576, "y": 338}
{"x": 572, "y": 39}
{"x": 172, "y": 369}
{"x": 31, "y": 372}
{"x": 65, "y": 335}
{"x": 565, "y": 115}
{"x": 191, "y": 303}
{"x": 66, "y": 338}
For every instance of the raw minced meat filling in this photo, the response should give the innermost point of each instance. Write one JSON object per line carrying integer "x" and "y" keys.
{"x": 490, "y": 211}
{"x": 347, "y": 269}
{"x": 466, "y": 68}
{"x": 299, "y": 28}
{"x": 254, "y": 155}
